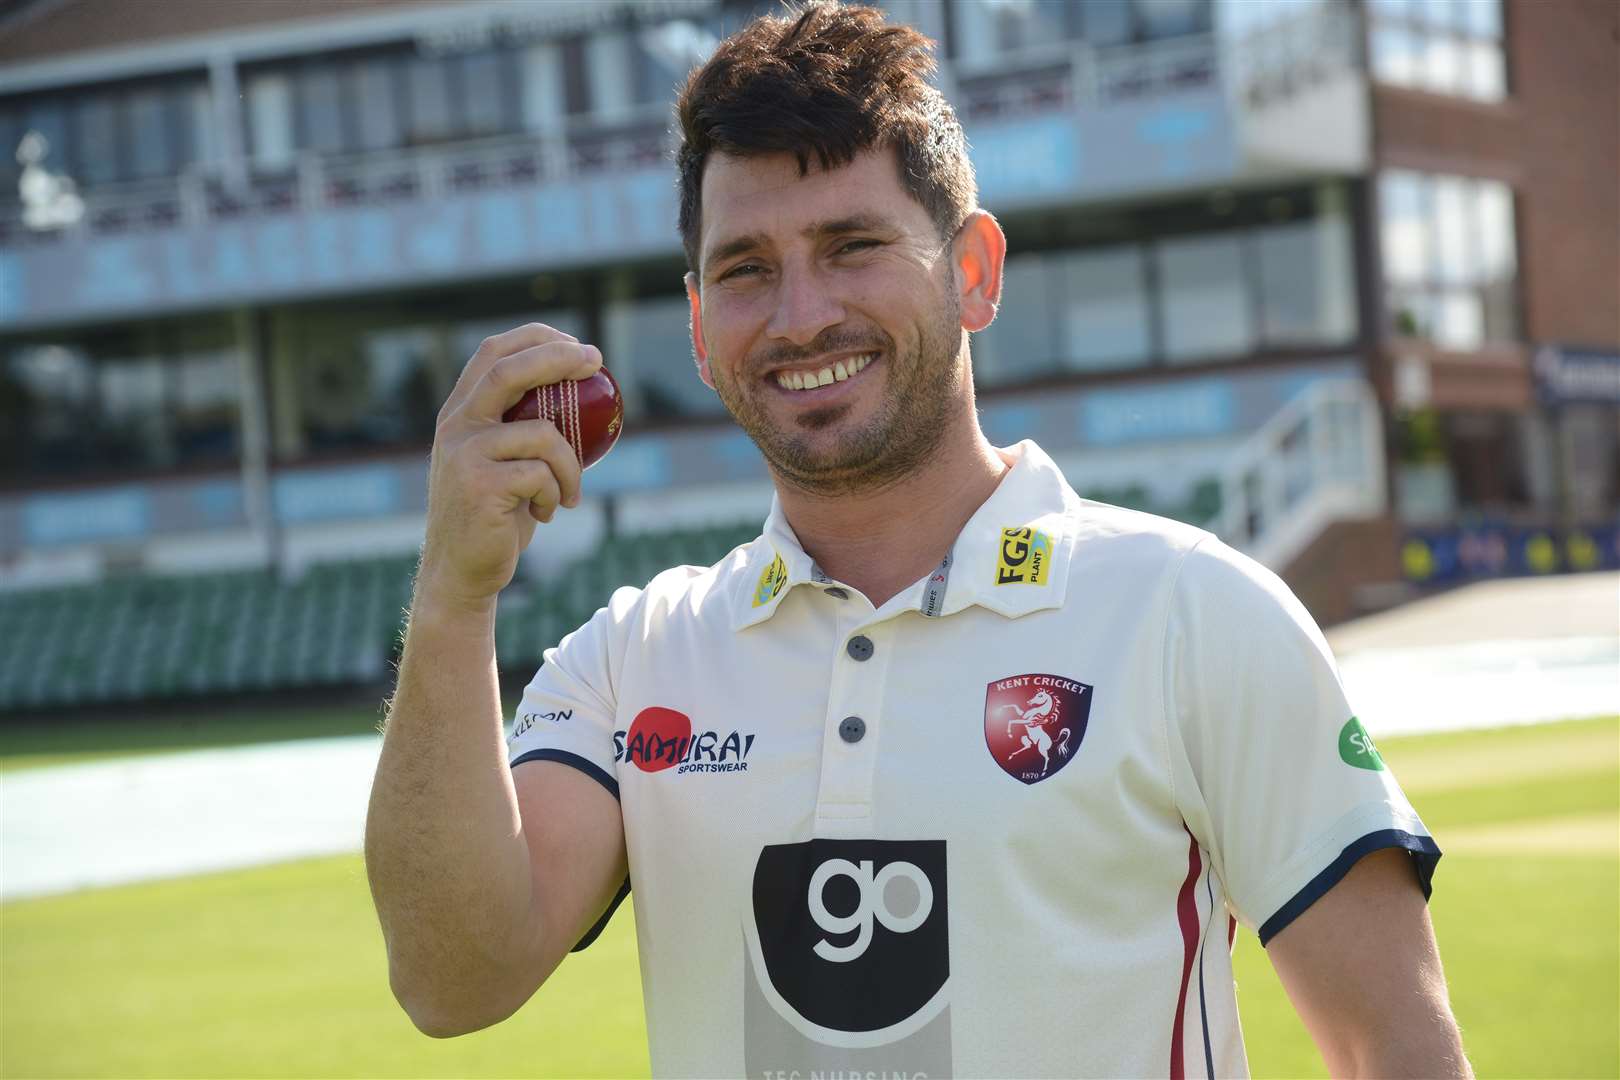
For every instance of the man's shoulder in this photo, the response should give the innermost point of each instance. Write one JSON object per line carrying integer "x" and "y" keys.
{"x": 693, "y": 590}
{"x": 1098, "y": 525}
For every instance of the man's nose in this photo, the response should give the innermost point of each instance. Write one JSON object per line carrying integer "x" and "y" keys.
{"x": 805, "y": 306}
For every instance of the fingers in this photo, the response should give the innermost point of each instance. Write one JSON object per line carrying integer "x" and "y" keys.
{"x": 492, "y": 349}
{"x": 536, "y": 441}
{"x": 510, "y": 377}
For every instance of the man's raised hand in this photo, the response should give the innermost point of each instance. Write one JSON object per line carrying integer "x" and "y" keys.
{"x": 489, "y": 482}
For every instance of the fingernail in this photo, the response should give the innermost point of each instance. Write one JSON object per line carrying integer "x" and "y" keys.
{"x": 572, "y": 501}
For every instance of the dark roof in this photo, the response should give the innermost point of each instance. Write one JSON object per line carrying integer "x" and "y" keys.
{"x": 41, "y": 29}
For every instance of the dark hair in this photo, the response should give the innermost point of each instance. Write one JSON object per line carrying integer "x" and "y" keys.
{"x": 827, "y": 83}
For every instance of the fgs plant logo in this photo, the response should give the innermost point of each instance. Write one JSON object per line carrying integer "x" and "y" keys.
{"x": 1024, "y": 556}
{"x": 1033, "y": 723}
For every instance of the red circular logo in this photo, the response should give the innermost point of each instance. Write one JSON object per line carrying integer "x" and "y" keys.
{"x": 658, "y": 738}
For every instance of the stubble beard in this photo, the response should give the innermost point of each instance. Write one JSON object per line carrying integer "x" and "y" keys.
{"x": 911, "y": 422}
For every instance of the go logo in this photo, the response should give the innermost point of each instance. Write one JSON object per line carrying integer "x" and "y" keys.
{"x": 855, "y": 934}
{"x": 873, "y": 902}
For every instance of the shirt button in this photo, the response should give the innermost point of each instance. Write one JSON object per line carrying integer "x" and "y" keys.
{"x": 860, "y": 647}
{"x": 852, "y": 730}
{"x": 837, "y": 593}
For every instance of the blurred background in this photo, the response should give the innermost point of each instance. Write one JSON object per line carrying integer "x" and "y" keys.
{"x": 1336, "y": 279}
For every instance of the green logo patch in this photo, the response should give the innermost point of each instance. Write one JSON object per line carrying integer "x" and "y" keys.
{"x": 1356, "y": 747}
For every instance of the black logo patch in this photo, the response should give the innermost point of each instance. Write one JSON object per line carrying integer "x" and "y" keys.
{"x": 854, "y": 933}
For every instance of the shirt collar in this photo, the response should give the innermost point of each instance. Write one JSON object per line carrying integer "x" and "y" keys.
{"x": 1012, "y": 556}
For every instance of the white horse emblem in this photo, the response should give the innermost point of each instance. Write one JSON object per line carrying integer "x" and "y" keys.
{"x": 1038, "y": 713}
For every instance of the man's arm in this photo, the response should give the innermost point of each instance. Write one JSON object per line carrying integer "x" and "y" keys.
{"x": 482, "y": 878}
{"x": 1362, "y": 969}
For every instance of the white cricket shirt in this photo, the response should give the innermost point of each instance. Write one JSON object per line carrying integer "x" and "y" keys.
{"x": 1000, "y": 826}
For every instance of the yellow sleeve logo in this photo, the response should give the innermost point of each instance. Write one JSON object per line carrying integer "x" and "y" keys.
{"x": 1023, "y": 558}
{"x": 771, "y": 580}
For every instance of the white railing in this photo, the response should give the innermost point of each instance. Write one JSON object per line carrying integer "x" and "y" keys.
{"x": 203, "y": 194}
{"x": 1275, "y": 58}
{"x": 1318, "y": 460}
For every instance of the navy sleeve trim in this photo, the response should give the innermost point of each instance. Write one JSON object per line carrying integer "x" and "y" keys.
{"x": 584, "y": 765}
{"x": 1425, "y": 853}
{"x": 601, "y": 924}
{"x": 594, "y": 771}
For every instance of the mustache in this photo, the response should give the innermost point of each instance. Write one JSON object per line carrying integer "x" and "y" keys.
{"x": 837, "y": 340}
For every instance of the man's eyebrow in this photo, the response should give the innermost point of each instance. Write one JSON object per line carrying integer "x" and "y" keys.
{"x": 749, "y": 241}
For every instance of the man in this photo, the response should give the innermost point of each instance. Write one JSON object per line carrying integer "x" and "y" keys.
{"x": 950, "y": 772}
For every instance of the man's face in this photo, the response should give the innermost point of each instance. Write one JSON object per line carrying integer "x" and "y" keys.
{"x": 826, "y": 317}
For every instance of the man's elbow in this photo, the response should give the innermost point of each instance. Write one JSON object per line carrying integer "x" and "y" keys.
{"x": 442, "y": 1012}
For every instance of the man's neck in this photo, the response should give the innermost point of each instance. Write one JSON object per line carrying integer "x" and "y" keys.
{"x": 881, "y": 542}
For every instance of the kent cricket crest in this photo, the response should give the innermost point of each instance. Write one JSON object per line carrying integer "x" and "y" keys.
{"x": 1033, "y": 724}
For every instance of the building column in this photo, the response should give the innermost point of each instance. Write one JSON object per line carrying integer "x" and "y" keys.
{"x": 257, "y": 502}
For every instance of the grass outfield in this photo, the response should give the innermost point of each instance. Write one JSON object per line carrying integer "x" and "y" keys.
{"x": 278, "y": 971}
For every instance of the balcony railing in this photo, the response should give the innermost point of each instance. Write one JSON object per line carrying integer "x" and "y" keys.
{"x": 203, "y": 196}
{"x": 1257, "y": 65}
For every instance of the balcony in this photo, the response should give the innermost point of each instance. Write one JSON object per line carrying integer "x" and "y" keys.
{"x": 1058, "y": 125}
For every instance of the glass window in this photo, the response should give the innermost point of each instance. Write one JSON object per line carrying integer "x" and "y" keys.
{"x": 1404, "y": 210}
{"x": 50, "y": 389}
{"x": 544, "y": 104}
{"x": 197, "y": 127}
{"x": 1204, "y": 298}
{"x": 607, "y": 72}
{"x": 1449, "y": 258}
{"x": 95, "y": 152}
{"x": 1107, "y": 22}
{"x": 1487, "y": 79}
{"x": 1023, "y": 24}
{"x": 1172, "y": 18}
{"x": 1444, "y": 46}
{"x": 663, "y": 56}
{"x": 49, "y": 119}
{"x": 134, "y": 424}
{"x": 1459, "y": 320}
{"x": 483, "y": 95}
{"x": 11, "y": 135}
{"x": 207, "y": 404}
{"x": 320, "y": 106}
{"x": 1105, "y": 310}
{"x": 373, "y": 91}
{"x": 150, "y": 128}
{"x": 269, "y": 100}
{"x": 1021, "y": 342}
{"x": 429, "y": 95}
{"x": 406, "y": 383}
{"x": 1306, "y": 282}
{"x": 649, "y": 347}
{"x": 1454, "y": 221}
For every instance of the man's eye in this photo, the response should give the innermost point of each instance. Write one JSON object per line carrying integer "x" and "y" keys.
{"x": 741, "y": 270}
{"x": 856, "y": 245}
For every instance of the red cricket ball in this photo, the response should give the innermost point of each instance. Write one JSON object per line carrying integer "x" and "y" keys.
{"x": 589, "y": 412}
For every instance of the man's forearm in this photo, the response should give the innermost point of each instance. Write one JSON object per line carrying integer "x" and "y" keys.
{"x": 448, "y": 867}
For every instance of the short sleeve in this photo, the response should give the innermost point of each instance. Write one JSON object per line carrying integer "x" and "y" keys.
{"x": 1275, "y": 775}
{"x": 569, "y": 710}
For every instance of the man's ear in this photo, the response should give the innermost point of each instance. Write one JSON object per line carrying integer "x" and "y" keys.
{"x": 978, "y": 251}
{"x": 700, "y": 352}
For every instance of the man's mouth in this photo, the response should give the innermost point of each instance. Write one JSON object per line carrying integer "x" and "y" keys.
{"x": 839, "y": 371}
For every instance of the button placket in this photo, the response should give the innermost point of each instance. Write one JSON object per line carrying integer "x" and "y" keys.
{"x": 854, "y": 708}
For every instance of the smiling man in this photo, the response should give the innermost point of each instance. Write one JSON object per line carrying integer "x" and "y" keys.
{"x": 949, "y": 772}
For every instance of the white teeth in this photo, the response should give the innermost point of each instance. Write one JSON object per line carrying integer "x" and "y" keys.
{"x": 838, "y": 372}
